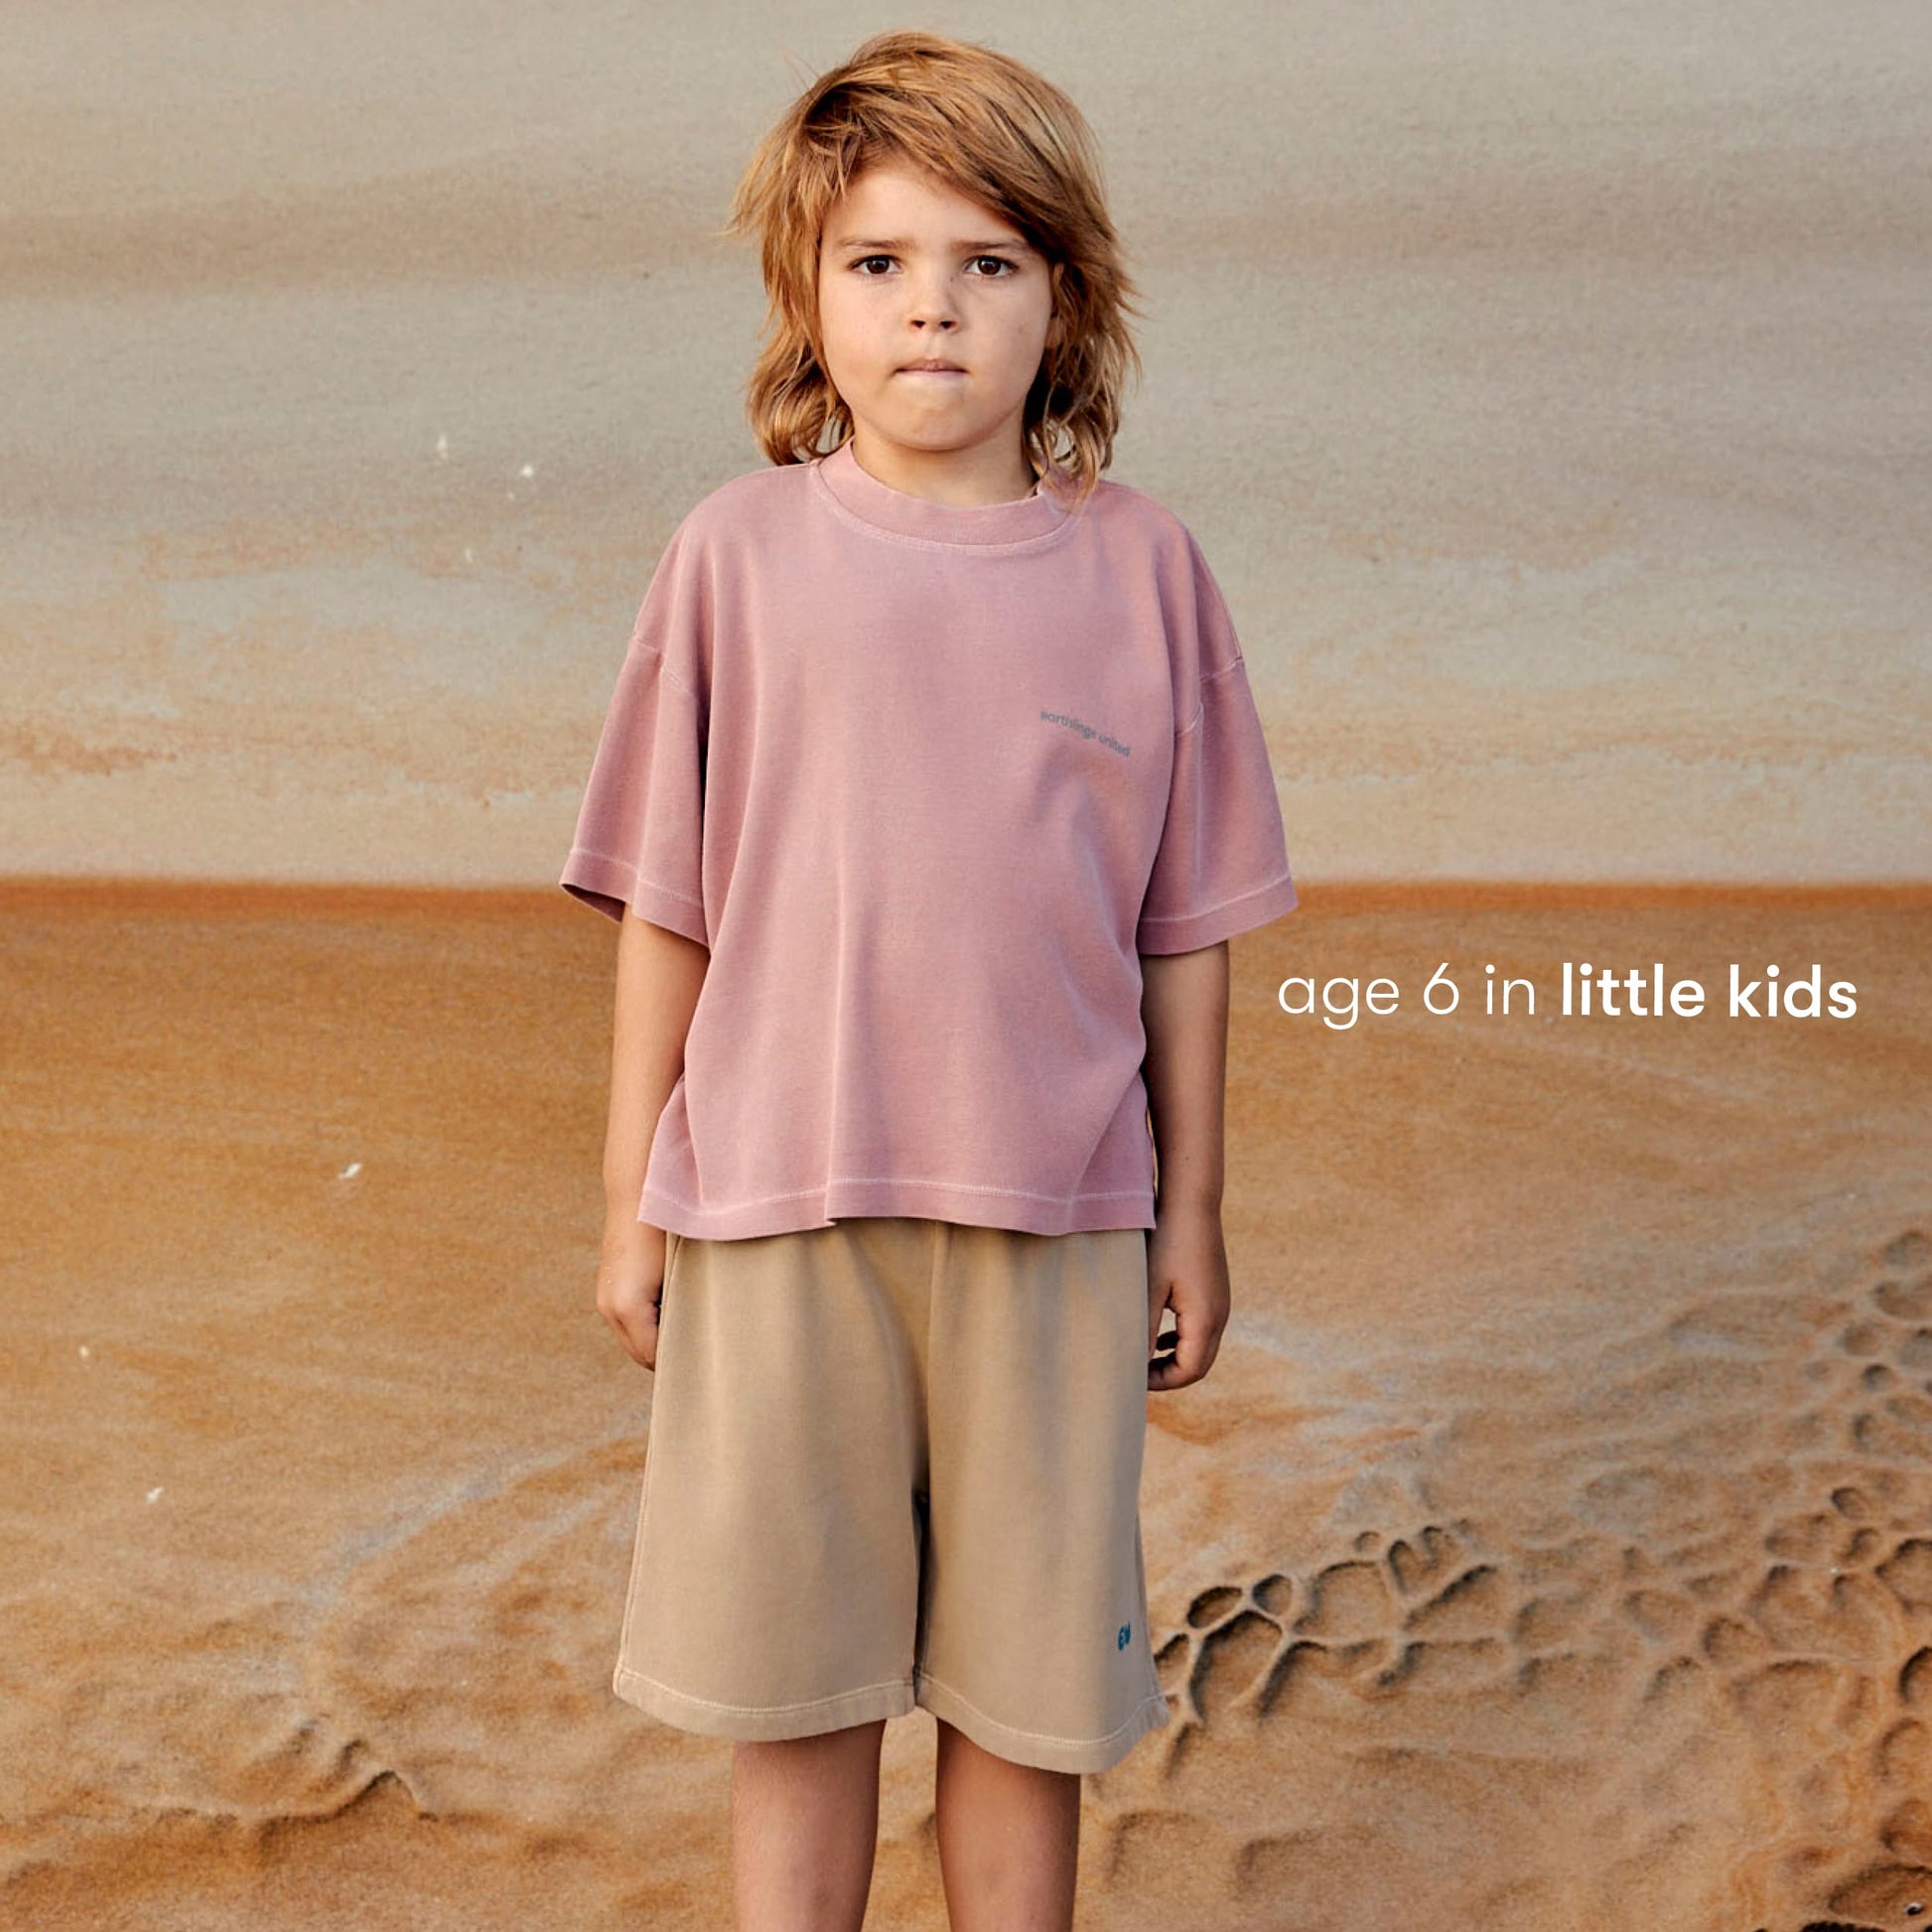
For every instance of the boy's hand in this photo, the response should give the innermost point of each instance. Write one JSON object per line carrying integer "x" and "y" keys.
{"x": 630, "y": 1285}
{"x": 1187, "y": 1271}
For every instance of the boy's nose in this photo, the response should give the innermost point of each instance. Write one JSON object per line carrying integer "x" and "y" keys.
{"x": 932, "y": 303}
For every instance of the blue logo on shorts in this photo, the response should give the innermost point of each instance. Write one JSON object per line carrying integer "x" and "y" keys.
{"x": 1126, "y": 1631}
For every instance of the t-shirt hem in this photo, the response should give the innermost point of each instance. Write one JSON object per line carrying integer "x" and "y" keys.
{"x": 935, "y": 1200}
{"x": 1190, "y": 932}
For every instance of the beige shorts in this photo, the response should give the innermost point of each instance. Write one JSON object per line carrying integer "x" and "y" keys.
{"x": 896, "y": 1461}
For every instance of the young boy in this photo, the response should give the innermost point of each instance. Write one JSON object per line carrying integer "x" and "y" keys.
{"x": 934, "y": 789}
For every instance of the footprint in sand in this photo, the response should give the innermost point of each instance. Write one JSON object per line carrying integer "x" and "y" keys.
{"x": 1725, "y": 1672}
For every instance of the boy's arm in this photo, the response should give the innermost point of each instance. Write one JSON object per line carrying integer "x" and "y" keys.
{"x": 660, "y": 974}
{"x": 1184, "y": 1012}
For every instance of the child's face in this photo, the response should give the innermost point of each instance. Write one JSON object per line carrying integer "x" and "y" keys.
{"x": 910, "y": 270}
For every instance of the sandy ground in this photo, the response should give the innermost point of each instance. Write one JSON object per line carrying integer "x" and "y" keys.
{"x": 1550, "y": 1548}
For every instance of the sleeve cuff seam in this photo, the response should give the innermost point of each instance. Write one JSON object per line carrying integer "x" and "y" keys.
{"x": 1218, "y": 921}
{"x": 638, "y": 878}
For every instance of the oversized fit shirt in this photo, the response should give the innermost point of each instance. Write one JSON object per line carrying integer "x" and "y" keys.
{"x": 926, "y": 780}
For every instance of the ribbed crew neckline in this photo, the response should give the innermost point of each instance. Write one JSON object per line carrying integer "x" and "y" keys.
{"x": 898, "y": 512}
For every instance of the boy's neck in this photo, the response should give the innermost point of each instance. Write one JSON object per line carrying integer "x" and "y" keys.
{"x": 961, "y": 479}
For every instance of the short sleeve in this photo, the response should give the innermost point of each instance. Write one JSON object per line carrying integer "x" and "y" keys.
{"x": 1222, "y": 864}
{"x": 640, "y": 837}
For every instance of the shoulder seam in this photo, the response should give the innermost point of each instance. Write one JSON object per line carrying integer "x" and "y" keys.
{"x": 664, "y": 670}
{"x": 1207, "y": 678}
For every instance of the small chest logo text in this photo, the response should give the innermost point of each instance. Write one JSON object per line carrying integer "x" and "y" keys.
{"x": 1086, "y": 731}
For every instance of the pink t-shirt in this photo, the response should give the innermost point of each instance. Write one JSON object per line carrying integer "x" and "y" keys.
{"x": 926, "y": 780}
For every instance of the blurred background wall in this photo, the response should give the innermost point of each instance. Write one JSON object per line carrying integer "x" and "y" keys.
{"x": 1547, "y": 385}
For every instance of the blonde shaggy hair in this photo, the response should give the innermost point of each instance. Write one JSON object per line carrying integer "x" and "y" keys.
{"x": 993, "y": 130}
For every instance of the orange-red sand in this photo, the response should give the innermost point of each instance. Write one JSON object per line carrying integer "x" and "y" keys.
{"x": 1550, "y": 1548}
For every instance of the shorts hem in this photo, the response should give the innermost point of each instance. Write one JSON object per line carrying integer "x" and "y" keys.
{"x": 753, "y": 1724}
{"x": 1041, "y": 1748}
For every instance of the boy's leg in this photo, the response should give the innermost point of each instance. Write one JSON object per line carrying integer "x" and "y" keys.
{"x": 1009, "y": 1840}
{"x": 804, "y": 1830}
{"x": 774, "y": 1582}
